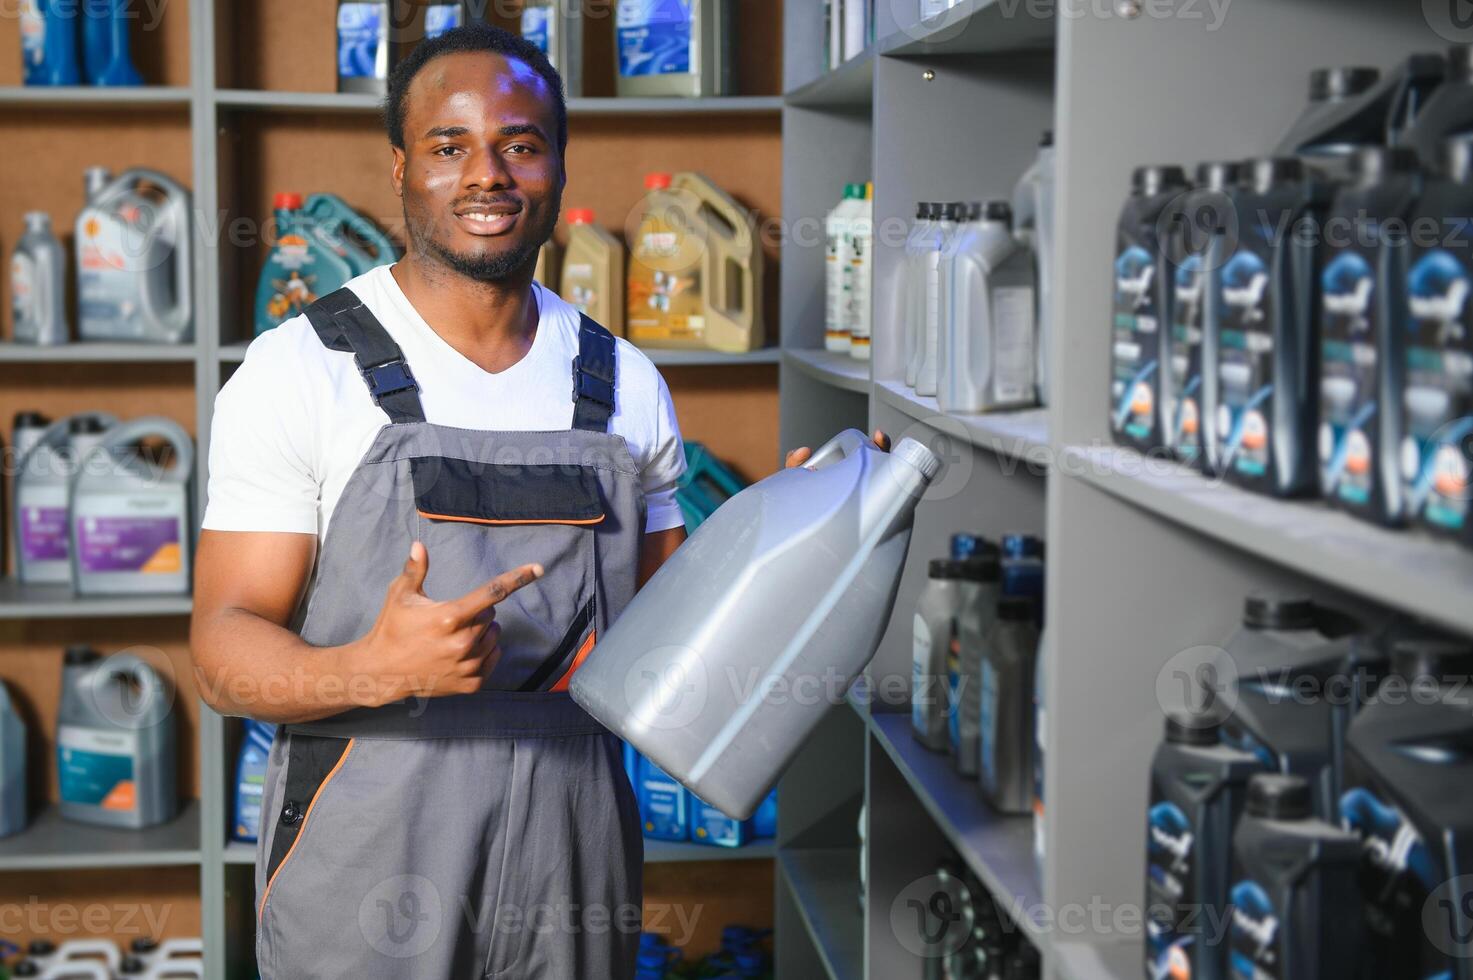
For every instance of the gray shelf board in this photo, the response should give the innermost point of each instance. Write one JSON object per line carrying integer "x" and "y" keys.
{"x": 998, "y": 848}
{"x": 825, "y": 886}
{"x": 1405, "y": 569}
{"x": 849, "y": 86}
{"x": 976, "y": 27}
{"x": 239, "y": 852}
{"x": 99, "y": 352}
{"x": 832, "y": 368}
{"x": 250, "y": 99}
{"x": 670, "y": 851}
{"x": 1081, "y": 960}
{"x": 94, "y": 97}
{"x": 232, "y": 353}
{"x": 655, "y": 852}
{"x": 1021, "y": 435}
{"x": 52, "y": 843}
{"x": 20, "y": 601}
{"x": 298, "y": 101}
{"x": 711, "y": 358}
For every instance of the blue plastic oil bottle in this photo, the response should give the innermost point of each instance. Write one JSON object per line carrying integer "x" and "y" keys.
{"x": 664, "y": 805}
{"x": 250, "y": 779}
{"x": 49, "y": 42}
{"x": 709, "y": 825}
{"x": 105, "y": 52}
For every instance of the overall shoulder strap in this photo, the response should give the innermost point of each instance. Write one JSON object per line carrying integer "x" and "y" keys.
{"x": 593, "y": 377}
{"x": 343, "y": 323}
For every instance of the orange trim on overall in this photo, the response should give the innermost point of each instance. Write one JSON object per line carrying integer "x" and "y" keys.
{"x": 582, "y": 655}
{"x": 530, "y": 520}
{"x": 305, "y": 817}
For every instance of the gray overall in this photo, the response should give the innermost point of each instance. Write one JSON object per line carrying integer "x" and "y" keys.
{"x": 484, "y": 835}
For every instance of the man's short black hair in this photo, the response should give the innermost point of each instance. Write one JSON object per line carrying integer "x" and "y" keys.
{"x": 472, "y": 37}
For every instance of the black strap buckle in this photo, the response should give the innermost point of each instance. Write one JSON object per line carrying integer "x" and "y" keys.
{"x": 387, "y": 378}
{"x": 586, "y": 384}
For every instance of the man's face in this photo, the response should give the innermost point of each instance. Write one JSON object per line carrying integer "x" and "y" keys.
{"x": 480, "y": 175}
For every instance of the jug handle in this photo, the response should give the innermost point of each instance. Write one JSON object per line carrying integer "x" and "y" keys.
{"x": 149, "y": 681}
{"x": 840, "y": 447}
{"x": 176, "y": 318}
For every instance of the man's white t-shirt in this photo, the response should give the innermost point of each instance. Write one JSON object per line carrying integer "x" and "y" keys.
{"x": 295, "y": 419}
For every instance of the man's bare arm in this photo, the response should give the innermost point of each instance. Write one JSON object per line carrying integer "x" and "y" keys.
{"x": 247, "y": 662}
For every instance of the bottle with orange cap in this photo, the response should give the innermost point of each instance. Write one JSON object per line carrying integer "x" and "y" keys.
{"x": 593, "y": 271}
{"x": 299, "y": 268}
{"x": 695, "y": 268}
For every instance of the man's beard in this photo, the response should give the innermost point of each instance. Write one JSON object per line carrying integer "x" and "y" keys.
{"x": 489, "y": 269}
{"x": 484, "y": 268}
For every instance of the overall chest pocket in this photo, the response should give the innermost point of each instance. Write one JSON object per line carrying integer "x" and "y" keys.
{"x": 478, "y": 520}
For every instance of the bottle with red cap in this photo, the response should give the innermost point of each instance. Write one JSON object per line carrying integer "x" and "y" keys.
{"x": 593, "y": 271}
{"x": 299, "y": 268}
{"x": 695, "y": 269}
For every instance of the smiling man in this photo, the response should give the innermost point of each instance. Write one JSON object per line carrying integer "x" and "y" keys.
{"x": 428, "y": 496}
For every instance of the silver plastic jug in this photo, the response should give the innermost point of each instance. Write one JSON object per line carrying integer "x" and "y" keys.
{"x": 116, "y": 741}
{"x": 12, "y": 767}
{"x": 728, "y": 658}
{"x": 130, "y": 527}
{"x": 134, "y": 266}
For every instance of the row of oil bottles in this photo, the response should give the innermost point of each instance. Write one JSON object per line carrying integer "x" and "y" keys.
{"x": 100, "y": 505}
{"x": 694, "y": 277}
{"x": 684, "y": 48}
{"x": 180, "y": 958}
{"x": 1300, "y": 324}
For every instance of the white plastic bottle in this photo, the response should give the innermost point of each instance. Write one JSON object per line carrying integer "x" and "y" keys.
{"x": 938, "y": 285}
{"x": 988, "y": 357}
{"x": 1033, "y": 223}
{"x": 859, "y": 313}
{"x": 913, "y": 288}
{"x": 837, "y": 273}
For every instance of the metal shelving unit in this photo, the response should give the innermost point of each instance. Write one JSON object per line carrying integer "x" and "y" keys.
{"x": 51, "y": 843}
{"x": 1145, "y": 558}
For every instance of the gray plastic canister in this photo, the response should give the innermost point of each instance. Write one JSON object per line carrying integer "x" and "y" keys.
{"x": 130, "y": 527}
{"x": 12, "y": 767}
{"x": 732, "y": 653}
{"x": 116, "y": 741}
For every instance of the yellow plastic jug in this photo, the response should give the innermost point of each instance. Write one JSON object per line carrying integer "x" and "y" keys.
{"x": 695, "y": 269}
{"x": 593, "y": 271}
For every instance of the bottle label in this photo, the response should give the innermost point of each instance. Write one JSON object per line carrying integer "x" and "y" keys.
{"x": 32, "y": 35}
{"x": 987, "y": 719}
{"x": 666, "y": 298}
{"x": 537, "y": 27}
{"x": 1012, "y": 345}
{"x": 148, "y": 545}
{"x": 1348, "y": 378}
{"x": 43, "y": 533}
{"x": 1437, "y": 450}
{"x": 1183, "y": 403}
{"x": 922, "y": 686}
{"x": 1246, "y": 356}
{"x": 1170, "y": 887}
{"x": 116, "y": 249}
{"x": 1254, "y": 944}
{"x": 96, "y": 767}
{"x": 654, "y": 37}
{"x": 443, "y": 18}
{"x": 23, "y": 296}
{"x": 1134, "y": 366}
{"x": 363, "y": 40}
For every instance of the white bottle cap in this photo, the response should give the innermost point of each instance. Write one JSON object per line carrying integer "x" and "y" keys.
{"x": 919, "y": 456}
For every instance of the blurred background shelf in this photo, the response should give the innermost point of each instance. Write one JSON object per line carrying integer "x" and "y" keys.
{"x": 837, "y": 369}
{"x": 54, "y": 843}
{"x": 21, "y": 601}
